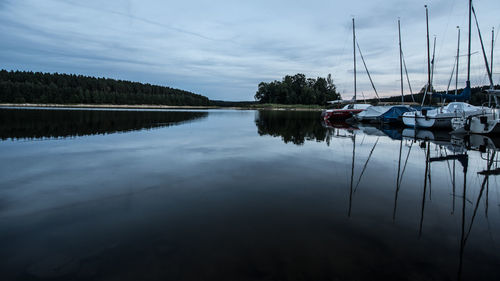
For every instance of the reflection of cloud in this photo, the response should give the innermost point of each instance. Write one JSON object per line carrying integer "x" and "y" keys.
{"x": 223, "y": 49}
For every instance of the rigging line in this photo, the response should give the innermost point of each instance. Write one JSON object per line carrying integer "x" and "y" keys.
{"x": 407, "y": 77}
{"x": 433, "y": 62}
{"x": 362, "y": 140}
{"x": 363, "y": 94}
{"x": 482, "y": 46}
{"x": 366, "y": 164}
{"x": 448, "y": 164}
{"x": 342, "y": 54}
{"x": 451, "y": 77}
{"x": 397, "y": 182}
{"x": 366, "y": 68}
{"x": 406, "y": 162}
{"x": 446, "y": 28}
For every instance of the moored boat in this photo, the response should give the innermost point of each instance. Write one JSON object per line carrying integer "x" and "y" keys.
{"x": 489, "y": 121}
{"x": 383, "y": 114}
{"x": 344, "y": 113}
{"x": 486, "y": 123}
{"x": 440, "y": 118}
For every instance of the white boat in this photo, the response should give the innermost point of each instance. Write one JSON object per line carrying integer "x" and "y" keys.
{"x": 486, "y": 123}
{"x": 489, "y": 121}
{"x": 441, "y": 117}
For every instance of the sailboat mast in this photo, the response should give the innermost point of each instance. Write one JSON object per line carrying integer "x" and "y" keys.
{"x": 492, "y": 45}
{"x": 400, "y": 62}
{"x": 354, "y": 53}
{"x": 468, "y": 52}
{"x": 458, "y": 59}
{"x": 492, "y": 86}
{"x": 428, "y": 52}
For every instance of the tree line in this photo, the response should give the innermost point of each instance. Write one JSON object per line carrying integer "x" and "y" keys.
{"x": 298, "y": 89}
{"x": 37, "y": 87}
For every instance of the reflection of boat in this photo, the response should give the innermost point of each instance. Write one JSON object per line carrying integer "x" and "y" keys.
{"x": 426, "y": 135}
{"x": 338, "y": 124}
{"x": 481, "y": 143}
{"x": 381, "y": 130}
{"x": 370, "y": 130}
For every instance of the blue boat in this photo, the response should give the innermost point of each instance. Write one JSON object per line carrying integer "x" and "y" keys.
{"x": 393, "y": 115}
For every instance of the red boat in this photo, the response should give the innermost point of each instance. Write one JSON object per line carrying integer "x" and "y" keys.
{"x": 344, "y": 113}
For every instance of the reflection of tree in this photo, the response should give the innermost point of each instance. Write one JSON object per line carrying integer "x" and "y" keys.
{"x": 291, "y": 126}
{"x": 33, "y": 123}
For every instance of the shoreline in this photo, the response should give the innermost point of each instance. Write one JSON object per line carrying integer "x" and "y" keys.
{"x": 145, "y": 106}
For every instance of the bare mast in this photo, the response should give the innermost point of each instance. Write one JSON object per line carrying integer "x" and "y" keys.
{"x": 354, "y": 53}
{"x": 429, "y": 87}
{"x": 401, "y": 62}
{"x": 468, "y": 52}
{"x": 492, "y": 45}
{"x": 458, "y": 59}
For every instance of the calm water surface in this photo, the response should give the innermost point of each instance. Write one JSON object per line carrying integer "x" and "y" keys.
{"x": 241, "y": 195}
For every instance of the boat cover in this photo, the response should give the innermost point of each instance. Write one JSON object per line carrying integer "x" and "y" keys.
{"x": 394, "y": 113}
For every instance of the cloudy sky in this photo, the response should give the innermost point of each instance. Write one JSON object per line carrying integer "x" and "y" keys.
{"x": 224, "y": 48}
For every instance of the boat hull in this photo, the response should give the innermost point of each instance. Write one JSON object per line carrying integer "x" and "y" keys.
{"x": 483, "y": 124}
{"x": 341, "y": 114}
{"x": 436, "y": 123}
{"x": 409, "y": 119}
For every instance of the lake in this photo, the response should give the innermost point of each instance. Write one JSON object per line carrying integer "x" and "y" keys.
{"x": 241, "y": 195}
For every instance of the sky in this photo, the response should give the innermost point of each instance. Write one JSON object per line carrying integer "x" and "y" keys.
{"x": 224, "y": 48}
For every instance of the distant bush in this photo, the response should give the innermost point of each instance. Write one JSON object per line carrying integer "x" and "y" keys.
{"x": 298, "y": 89}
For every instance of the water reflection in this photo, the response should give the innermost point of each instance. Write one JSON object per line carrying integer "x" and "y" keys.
{"x": 43, "y": 123}
{"x": 443, "y": 154}
{"x": 242, "y": 195}
{"x": 292, "y": 126}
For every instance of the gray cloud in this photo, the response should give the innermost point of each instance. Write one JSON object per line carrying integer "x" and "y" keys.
{"x": 223, "y": 48}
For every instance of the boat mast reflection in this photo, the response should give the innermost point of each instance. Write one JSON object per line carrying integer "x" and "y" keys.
{"x": 460, "y": 146}
{"x": 465, "y": 235}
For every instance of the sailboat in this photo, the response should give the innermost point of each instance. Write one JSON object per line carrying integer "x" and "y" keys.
{"x": 441, "y": 117}
{"x": 489, "y": 121}
{"x": 341, "y": 114}
{"x": 386, "y": 113}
